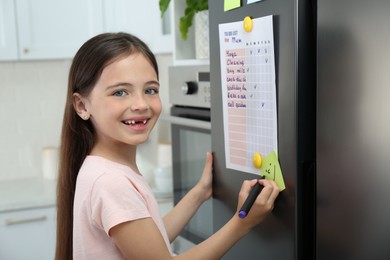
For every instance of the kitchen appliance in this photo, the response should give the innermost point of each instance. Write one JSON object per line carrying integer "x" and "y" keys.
{"x": 332, "y": 84}
{"x": 189, "y": 93}
{"x": 353, "y": 129}
{"x": 289, "y": 232}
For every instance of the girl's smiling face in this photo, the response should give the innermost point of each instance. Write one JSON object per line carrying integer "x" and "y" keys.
{"x": 124, "y": 105}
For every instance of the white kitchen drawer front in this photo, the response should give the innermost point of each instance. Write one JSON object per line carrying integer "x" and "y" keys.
{"x": 28, "y": 234}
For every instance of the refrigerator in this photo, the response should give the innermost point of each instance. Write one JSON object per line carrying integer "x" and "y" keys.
{"x": 332, "y": 85}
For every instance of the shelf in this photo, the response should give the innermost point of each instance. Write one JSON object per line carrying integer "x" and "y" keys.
{"x": 184, "y": 50}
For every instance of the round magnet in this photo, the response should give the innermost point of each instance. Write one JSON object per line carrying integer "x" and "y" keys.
{"x": 248, "y": 24}
{"x": 257, "y": 160}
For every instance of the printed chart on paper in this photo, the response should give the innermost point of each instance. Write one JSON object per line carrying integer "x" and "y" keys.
{"x": 249, "y": 92}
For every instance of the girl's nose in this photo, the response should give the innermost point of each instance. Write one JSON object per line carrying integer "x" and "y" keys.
{"x": 139, "y": 103}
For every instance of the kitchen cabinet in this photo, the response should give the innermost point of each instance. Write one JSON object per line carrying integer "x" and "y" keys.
{"x": 8, "y": 42}
{"x": 28, "y": 234}
{"x": 142, "y": 20}
{"x": 55, "y": 29}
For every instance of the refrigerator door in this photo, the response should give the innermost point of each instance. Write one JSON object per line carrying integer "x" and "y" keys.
{"x": 280, "y": 235}
{"x": 353, "y": 144}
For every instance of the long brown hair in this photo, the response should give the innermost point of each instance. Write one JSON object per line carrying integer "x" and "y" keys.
{"x": 77, "y": 138}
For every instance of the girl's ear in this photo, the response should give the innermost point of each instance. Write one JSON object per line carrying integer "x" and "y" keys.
{"x": 80, "y": 106}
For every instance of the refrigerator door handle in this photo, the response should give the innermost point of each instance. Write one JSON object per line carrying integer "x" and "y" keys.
{"x": 307, "y": 211}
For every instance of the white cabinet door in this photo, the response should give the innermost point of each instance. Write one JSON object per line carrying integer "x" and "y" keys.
{"x": 55, "y": 29}
{"x": 8, "y": 40}
{"x": 142, "y": 19}
{"x": 28, "y": 234}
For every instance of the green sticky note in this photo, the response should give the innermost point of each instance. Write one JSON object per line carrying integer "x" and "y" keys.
{"x": 231, "y": 4}
{"x": 270, "y": 169}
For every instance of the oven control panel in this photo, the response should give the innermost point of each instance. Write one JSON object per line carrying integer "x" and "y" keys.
{"x": 190, "y": 86}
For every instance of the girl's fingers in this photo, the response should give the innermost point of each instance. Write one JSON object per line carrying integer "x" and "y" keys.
{"x": 209, "y": 162}
{"x": 266, "y": 197}
{"x": 269, "y": 192}
{"x": 246, "y": 187}
{"x": 275, "y": 191}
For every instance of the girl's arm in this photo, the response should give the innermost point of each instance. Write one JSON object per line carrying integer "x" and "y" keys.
{"x": 219, "y": 243}
{"x": 181, "y": 214}
{"x": 141, "y": 239}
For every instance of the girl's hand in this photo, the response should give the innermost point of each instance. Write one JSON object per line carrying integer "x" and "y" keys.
{"x": 204, "y": 185}
{"x": 264, "y": 202}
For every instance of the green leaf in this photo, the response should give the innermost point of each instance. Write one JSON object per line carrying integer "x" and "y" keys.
{"x": 164, "y": 4}
{"x": 192, "y": 7}
{"x": 186, "y": 23}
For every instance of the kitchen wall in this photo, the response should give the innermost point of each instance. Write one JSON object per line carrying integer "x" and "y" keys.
{"x": 32, "y": 98}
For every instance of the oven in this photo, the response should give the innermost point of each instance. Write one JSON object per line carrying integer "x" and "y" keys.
{"x": 189, "y": 93}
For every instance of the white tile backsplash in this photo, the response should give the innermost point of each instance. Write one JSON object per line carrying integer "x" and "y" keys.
{"x": 32, "y": 99}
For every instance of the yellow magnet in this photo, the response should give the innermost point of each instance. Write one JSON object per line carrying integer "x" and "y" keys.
{"x": 248, "y": 24}
{"x": 257, "y": 160}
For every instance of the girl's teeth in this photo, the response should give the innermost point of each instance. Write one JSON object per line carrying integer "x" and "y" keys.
{"x": 132, "y": 122}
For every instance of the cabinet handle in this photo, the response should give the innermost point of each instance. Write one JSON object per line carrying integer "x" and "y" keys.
{"x": 10, "y": 222}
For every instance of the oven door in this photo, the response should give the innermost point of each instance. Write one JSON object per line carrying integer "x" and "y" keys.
{"x": 191, "y": 139}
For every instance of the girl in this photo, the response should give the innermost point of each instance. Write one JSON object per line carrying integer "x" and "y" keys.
{"x": 106, "y": 209}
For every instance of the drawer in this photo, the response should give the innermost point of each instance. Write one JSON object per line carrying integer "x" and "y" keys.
{"x": 28, "y": 234}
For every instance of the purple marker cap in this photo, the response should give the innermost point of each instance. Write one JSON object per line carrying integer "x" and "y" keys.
{"x": 242, "y": 214}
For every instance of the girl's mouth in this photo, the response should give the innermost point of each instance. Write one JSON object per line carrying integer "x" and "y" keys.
{"x": 134, "y": 122}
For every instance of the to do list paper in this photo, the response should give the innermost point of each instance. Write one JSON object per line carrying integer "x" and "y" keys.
{"x": 249, "y": 92}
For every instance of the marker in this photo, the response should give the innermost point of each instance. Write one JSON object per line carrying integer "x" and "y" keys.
{"x": 250, "y": 200}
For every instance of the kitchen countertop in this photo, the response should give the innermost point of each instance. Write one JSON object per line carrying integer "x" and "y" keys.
{"x": 38, "y": 192}
{"x": 26, "y": 194}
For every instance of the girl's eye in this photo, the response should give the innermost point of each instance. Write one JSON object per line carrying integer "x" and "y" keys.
{"x": 151, "y": 91}
{"x": 120, "y": 93}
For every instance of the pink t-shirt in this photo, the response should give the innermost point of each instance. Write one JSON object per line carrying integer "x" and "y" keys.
{"x": 107, "y": 194}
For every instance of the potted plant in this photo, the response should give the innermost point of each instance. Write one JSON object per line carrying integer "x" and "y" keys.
{"x": 192, "y": 7}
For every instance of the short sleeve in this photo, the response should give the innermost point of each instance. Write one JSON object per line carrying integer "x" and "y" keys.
{"x": 115, "y": 200}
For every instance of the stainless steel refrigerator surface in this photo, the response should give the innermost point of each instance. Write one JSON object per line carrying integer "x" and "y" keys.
{"x": 282, "y": 234}
{"x": 332, "y": 65}
{"x": 353, "y": 130}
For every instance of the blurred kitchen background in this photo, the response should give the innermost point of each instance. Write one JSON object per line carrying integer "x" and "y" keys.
{"x": 38, "y": 39}
{"x": 34, "y": 70}
{"x": 31, "y": 109}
